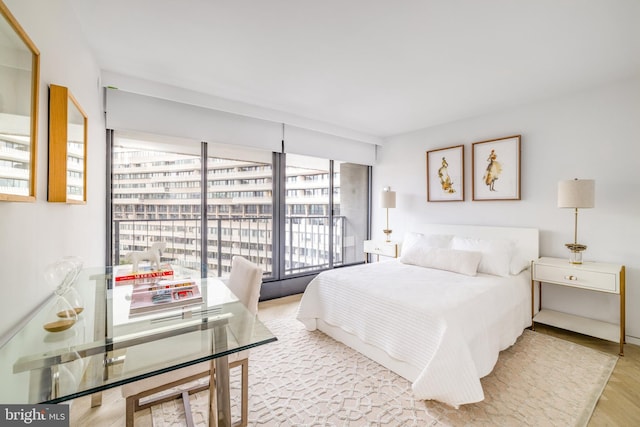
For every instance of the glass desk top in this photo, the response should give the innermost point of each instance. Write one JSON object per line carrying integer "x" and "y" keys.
{"x": 108, "y": 347}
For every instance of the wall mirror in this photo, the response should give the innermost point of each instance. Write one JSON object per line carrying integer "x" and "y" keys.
{"x": 67, "y": 147}
{"x": 19, "y": 80}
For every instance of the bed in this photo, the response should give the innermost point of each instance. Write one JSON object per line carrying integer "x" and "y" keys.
{"x": 439, "y": 314}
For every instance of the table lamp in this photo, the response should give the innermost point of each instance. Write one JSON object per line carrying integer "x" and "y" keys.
{"x": 576, "y": 193}
{"x": 388, "y": 201}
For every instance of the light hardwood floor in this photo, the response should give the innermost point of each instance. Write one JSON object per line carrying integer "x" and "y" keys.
{"x": 619, "y": 404}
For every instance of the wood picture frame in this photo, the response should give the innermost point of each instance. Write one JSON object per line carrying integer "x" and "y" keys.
{"x": 496, "y": 169}
{"x": 67, "y": 148}
{"x": 19, "y": 86}
{"x": 445, "y": 174}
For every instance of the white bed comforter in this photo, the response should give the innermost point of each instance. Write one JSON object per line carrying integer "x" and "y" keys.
{"x": 450, "y": 327}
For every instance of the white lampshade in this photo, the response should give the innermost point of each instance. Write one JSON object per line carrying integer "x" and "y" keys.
{"x": 388, "y": 199}
{"x": 576, "y": 193}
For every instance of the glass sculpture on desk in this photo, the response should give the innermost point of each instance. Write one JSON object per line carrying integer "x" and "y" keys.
{"x": 61, "y": 316}
{"x": 70, "y": 293}
{"x": 70, "y": 371}
{"x": 68, "y": 303}
{"x": 64, "y": 376}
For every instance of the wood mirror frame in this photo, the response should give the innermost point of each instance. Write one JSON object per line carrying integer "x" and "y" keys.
{"x": 19, "y": 82}
{"x": 67, "y": 147}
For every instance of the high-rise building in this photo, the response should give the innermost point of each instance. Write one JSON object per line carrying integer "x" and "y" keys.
{"x": 15, "y": 149}
{"x": 157, "y": 196}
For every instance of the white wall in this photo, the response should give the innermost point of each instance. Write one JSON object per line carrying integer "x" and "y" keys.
{"x": 593, "y": 134}
{"x": 33, "y": 235}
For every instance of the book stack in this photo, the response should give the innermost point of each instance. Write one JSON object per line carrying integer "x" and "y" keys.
{"x": 164, "y": 294}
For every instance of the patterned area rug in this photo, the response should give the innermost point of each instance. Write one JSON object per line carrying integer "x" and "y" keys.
{"x": 309, "y": 379}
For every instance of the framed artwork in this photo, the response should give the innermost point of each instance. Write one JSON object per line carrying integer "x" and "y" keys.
{"x": 445, "y": 174}
{"x": 496, "y": 169}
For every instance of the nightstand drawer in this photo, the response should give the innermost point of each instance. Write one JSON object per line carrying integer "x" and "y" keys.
{"x": 381, "y": 248}
{"x": 596, "y": 280}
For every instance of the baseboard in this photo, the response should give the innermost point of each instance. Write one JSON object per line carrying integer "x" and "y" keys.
{"x": 632, "y": 340}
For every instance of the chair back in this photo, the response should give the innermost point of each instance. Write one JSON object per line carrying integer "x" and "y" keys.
{"x": 245, "y": 281}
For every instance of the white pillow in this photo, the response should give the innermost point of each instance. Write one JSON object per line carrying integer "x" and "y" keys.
{"x": 463, "y": 262}
{"x": 409, "y": 240}
{"x": 429, "y": 240}
{"x": 518, "y": 262}
{"x": 496, "y": 254}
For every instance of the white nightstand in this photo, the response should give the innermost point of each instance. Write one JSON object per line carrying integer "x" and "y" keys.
{"x": 380, "y": 247}
{"x": 594, "y": 276}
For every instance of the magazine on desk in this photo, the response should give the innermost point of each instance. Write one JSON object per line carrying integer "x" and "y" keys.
{"x": 125, "y": 276}
{"x": 164, "y": 294}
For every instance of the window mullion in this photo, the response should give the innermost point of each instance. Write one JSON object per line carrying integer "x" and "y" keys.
{"x": 279, "y": 216}
{"x": 204, "y": 198}
{"x": 330, "y": 215}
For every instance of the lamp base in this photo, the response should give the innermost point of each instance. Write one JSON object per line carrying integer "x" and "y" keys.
{"x": 388, "y": 233}
{"x": 576, "y": 252}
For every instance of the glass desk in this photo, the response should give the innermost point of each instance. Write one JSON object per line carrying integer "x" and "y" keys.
{"x": 107, "y": 347}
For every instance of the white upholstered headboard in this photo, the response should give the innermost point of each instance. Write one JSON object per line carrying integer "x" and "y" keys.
{"x": 526, "y": 239}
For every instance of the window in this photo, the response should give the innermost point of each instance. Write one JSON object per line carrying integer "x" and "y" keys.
{"x": 157, "y": 193}
{"x": 318, "y": 236}
{"x": 157, "y": 196}
{"x": 248, "y": 182}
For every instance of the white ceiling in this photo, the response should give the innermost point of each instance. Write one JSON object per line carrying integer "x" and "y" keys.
{"x": 374, "y": 66}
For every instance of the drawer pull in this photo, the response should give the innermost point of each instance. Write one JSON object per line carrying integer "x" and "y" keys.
{"x": 571, "y": 277}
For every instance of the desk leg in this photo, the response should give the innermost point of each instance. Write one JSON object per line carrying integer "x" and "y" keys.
{"x": 220, "y": 408}
{"x": 99, "y": 331}
{"x": 220, "y": 392}
{"x": 96, "y": 369}
{"x": 96, "y": 399}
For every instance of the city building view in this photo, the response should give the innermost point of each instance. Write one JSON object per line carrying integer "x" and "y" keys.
{"x": 15, "y": 154}
{"x": 157, "y": 195}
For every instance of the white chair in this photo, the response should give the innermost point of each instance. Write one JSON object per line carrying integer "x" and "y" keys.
{"x": 245, "y": 281}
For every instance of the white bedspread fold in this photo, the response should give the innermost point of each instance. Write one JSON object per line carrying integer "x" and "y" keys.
{"x": 450, "y": 327}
